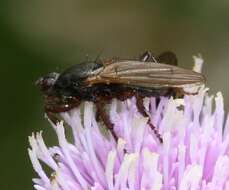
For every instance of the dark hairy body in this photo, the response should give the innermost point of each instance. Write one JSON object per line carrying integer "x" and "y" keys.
{"x": 101, "y": 81}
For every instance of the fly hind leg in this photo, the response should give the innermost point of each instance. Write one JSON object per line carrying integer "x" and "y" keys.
{"x": 141, "y": 109}
{"x": 147, "y": 57}
{"x": 166, "y": 57}
{"x": 101, "y": 113}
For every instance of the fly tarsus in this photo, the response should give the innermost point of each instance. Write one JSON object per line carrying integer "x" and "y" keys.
{"x": 141, "y": 109}
{"x": 105, "y": 118}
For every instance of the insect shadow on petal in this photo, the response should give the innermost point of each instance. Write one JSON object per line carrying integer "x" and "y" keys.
{"x": 101, "y": 81}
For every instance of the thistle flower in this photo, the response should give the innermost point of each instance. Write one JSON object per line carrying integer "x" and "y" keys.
{"x": 194, "y": 154}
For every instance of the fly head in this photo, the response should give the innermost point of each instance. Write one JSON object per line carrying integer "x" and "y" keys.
{"x": 47, "y": 82}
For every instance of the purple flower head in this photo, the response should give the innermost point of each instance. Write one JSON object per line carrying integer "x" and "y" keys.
{"x": 194, "y": 154}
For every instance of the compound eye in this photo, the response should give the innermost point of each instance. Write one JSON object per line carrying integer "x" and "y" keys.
{"x": 49, "y": 82}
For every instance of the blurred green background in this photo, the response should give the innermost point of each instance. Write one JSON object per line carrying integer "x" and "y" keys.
{"x": 39, "y": 36}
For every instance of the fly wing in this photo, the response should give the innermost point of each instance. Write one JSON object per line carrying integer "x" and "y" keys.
{"x": 146, "y": 74}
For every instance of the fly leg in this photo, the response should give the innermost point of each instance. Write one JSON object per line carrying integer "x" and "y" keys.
{"x": 141, "y": 109}
{"x": 52, "y": 117}
{"x": 182, "y": 91}
{"x": 105, "y": 118}
{"x": 166, "y": 57}
{"x": 147, "y": 57}
{"x": 52, "y": 111}
{"x": 140, "y": 105}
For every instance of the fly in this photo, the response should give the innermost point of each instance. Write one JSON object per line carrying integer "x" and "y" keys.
{"x": 101, "y": 81}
